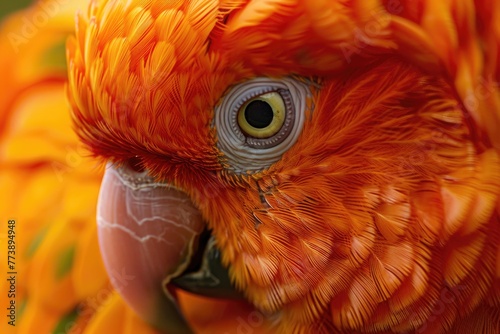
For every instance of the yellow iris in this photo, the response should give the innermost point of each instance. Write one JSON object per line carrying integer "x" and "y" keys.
{"x": 262, "y": 116}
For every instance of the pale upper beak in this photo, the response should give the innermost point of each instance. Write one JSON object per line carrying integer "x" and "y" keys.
{"x": 154, "y": 235}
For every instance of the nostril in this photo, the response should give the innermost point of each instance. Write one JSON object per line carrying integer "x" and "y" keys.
{"x": 135, "y": 164}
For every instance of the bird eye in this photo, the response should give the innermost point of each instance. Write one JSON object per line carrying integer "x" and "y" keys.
{"x": 259, "y": 120}
{"x": 262, "y": 116}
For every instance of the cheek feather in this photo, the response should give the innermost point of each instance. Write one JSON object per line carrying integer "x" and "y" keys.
{"x": 349, "y": 206}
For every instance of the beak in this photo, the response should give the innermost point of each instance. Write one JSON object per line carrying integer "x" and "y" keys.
{"x": 152, "y": 234}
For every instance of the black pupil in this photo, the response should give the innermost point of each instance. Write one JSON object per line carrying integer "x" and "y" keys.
{"x": 259, "y": 114}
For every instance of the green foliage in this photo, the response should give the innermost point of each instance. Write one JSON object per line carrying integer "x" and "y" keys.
{"x": 9, "y": 6}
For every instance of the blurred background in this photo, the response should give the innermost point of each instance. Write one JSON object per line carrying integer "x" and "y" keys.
{"x": 53, "y": 281}
{"x": 6, "y": 7}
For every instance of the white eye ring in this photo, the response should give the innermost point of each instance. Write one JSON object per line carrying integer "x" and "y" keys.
{"x": 248, "y": 154}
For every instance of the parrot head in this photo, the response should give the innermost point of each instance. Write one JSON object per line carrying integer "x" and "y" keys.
{"x": 285, "y": 137}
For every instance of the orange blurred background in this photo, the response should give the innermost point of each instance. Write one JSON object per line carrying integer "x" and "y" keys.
{"x": 48, "y": 185}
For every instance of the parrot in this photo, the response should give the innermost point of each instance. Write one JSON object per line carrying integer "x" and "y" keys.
{"x": 334, "y": 164}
